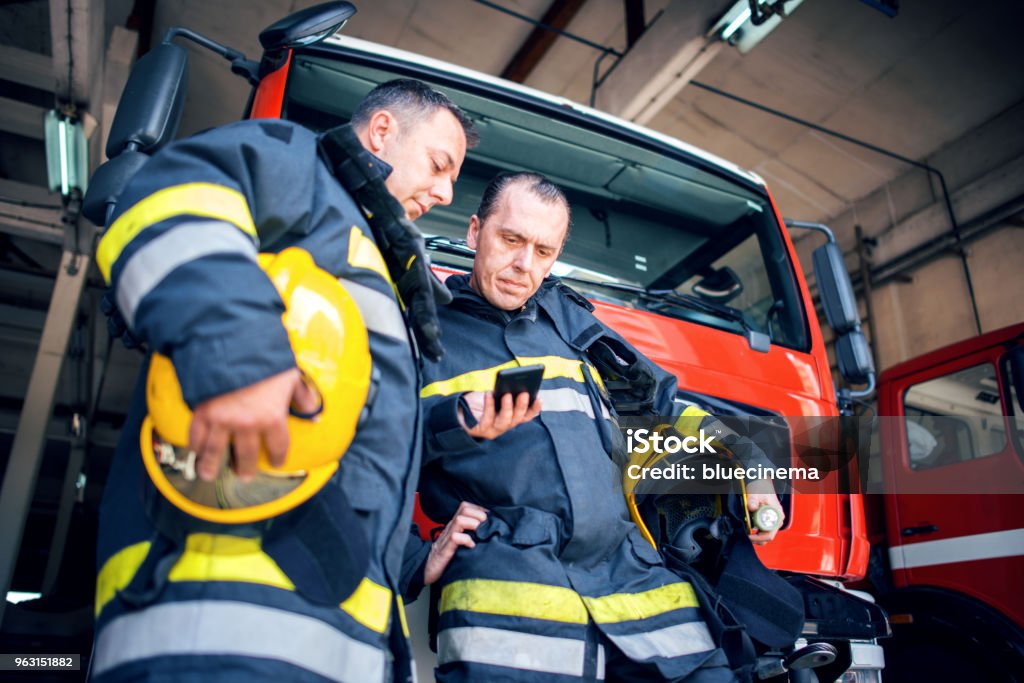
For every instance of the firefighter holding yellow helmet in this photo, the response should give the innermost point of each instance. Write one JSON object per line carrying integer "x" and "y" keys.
{"x": 259, "y": 500}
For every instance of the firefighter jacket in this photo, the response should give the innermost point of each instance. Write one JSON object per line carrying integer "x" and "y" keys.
{"x": 558, "y": 571}
{"x": 181, "y": 258}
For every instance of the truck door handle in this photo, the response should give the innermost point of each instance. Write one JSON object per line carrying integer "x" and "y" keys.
{"x": 919, "y": 529}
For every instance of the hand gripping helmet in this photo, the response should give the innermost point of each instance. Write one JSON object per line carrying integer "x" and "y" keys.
{"x": 331, "y": 348}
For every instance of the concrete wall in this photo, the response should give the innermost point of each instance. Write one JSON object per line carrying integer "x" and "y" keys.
{"x": 933, "y": 310}
{"x": 920, "y": 298}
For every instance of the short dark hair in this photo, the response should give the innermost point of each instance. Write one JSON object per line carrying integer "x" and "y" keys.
{"x": 411, "y": 101}
{"x": 540, "y": 186}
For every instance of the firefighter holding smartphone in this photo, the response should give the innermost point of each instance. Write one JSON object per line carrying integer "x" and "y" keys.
{"x": 552, "y": 580}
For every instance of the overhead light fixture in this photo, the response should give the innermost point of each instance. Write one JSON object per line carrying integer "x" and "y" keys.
{"x": 67, "y": 156}
{"x": 749, "y": 21}
{"x": 734, "y": 25}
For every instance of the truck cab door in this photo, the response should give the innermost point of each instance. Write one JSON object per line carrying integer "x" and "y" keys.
{"x": 955, "y": 475}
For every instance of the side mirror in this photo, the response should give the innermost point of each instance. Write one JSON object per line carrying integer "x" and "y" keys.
{"x": 307, "y": 26}
{"x": 147, "y": 118}
{"x": 721, "y": 285}
{"x": 837, "y": 297}
{"x": 854, "y": 358}
{"x": 853, "y": 355}
{"x": 150, "y": 107}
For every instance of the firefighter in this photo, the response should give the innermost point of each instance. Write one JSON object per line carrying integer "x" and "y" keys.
{"x": 555, "y": 582}
{"x": 214, "y": 567}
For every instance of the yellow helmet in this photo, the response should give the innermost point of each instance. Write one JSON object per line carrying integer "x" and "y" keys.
{"x": 332, "y": 350}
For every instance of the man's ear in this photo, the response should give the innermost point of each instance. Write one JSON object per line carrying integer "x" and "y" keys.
{"x": 382, "y": 125}
{"x": 473, "y": 234}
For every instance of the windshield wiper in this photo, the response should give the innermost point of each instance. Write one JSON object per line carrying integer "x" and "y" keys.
{"x": 447, "y": 245}
{"x": 758, "y": 341}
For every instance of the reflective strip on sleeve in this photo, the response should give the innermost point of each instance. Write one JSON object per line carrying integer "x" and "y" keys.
{"x": 673, "y": 641}
{"x": 363, "y": 253}
{"x": 157, "y": 259}
{"x": 222, "y": 557}
{"x": 497, "y": 647}
{"x": 514, "y": 599}
{"x": 483, "y": 380}
{"x": 370, "y": 605}
{"x": 380, "y": 312}
{"x": 222, "y": 627}
{"x": 612, "y": 609}
{"x": 191, "y": 199}
{"x": 117, "y": 572}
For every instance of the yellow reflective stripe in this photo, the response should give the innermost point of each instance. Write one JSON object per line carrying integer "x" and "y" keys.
{"x": 401, "y": 616}
{"x": 117, "y": 572}
{"x": 689, "y": 422}
{"x": 483, "y": 380}
{"x": 370, "y": 605}
{"x": 191, "y": 199}
{"x": 363, "y": 253}
{"x": 221, "y": 557}
{"x": 514, "y": 599}
{"x": 611, "y": 609}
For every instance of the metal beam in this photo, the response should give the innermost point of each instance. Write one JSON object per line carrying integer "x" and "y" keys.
{"x": 68, "y": 497}
{"x": 76, "y": 35}
{"x": 540, "y": 40}
{"x": 57, "y": 430}
{"x": 26, "y": 67}
{"x": 635, "y": 22}
{"x": 28, "y": 192}
{"x": 21, "y": 118}
{"x": 19, "y": 482}
{"x": 671, "y": 52}
{"x": 33, "y": 222}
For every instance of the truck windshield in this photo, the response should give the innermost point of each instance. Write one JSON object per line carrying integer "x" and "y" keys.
{"x": 655, "y": 227}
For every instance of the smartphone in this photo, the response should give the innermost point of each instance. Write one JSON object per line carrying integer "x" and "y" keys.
{"x": 517, "y": 380}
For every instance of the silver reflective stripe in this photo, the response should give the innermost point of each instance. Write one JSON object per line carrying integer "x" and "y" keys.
{"x": 154, "y": 261}
{"x": 380, "y": 311}
{"x": 565, "y": 400}
{"x": 568, "y": 399}
{"x": 222, "y": 627}
{"x": 673, "y": 641}
{"x": 510, "y": 649}
{"x": 600, "y": 662}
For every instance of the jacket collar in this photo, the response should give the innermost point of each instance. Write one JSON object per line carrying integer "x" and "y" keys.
{"x": 385, "y": 167}
{"x": 467, "y": 298}
{"x": 568, "y": 310}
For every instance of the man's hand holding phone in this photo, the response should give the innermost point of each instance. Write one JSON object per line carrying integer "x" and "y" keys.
{"x": 513, "y": 402}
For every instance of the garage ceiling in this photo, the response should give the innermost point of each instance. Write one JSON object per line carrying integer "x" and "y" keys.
{"x": 942, "y": 83}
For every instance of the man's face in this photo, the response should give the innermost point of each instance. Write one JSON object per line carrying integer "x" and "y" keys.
{"x": 425, "y": 157}
{"x": 517, "y": 247}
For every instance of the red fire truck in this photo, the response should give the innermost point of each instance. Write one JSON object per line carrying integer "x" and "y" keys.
{"x": 948, "y": 535}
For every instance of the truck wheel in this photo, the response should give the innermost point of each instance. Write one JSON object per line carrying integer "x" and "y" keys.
{"x": 938, "y": 635}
